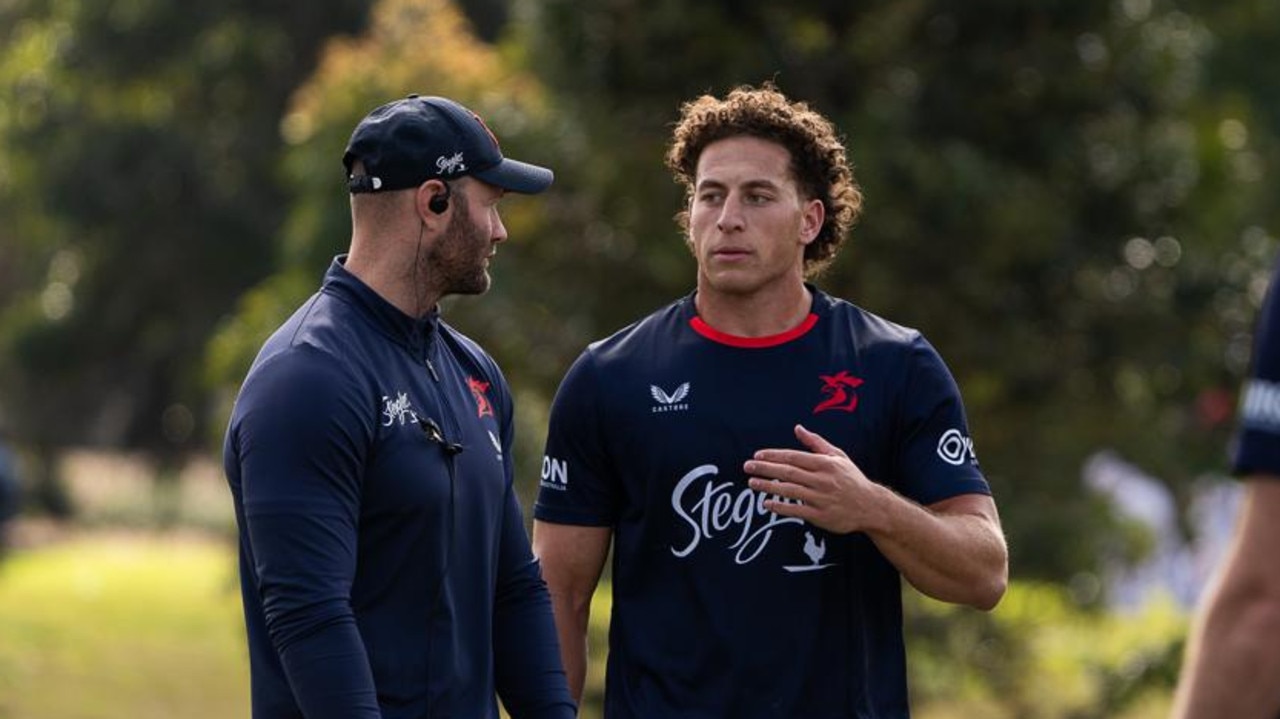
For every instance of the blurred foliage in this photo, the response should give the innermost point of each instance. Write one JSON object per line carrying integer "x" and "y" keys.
{"x": 1040, "y": 655}
{"x": 425, "y": 47}
{"x": 138, "y": 176}
{"x": 1070, "y": 200}
{"x": 1052, "y": 198}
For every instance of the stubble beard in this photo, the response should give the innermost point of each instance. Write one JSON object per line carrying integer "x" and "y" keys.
{"x": 457, "y": 260}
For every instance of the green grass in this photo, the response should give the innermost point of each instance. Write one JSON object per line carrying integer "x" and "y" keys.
{"x": 117, "y": 627}
{"x": 146, "y": 625}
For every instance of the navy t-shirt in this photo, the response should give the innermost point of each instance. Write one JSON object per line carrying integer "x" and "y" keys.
{"x": 1257, "y": 449}
{"x": 721, "y": 608}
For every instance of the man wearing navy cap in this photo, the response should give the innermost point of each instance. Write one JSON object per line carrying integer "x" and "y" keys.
{"x": 385, "y": 570}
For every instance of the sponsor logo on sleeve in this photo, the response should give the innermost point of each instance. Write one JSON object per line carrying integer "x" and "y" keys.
{"x": 1260, "y": 406}
{"x": 956, "y": 448}
{"x": 555, "y": 473}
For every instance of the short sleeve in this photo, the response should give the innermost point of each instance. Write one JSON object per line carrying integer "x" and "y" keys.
{"x": 1257, "y": 443}
{"x": 576, "y": 485}
{"x": 936, "y": 453}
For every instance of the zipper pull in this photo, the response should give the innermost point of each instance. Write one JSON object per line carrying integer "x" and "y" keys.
{"x": 431, "y": 369}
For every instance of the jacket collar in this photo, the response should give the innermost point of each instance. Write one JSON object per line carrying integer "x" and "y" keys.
{"x": 388, "y": 319}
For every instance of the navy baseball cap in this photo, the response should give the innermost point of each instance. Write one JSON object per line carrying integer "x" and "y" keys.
{"x": 404, "y": 143}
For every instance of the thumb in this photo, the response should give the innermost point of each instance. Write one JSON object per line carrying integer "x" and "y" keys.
{"x": 816, "y": 443}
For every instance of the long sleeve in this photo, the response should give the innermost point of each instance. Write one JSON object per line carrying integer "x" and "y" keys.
{"x": 529, "y": 676}
{"x": 301, "y": 445}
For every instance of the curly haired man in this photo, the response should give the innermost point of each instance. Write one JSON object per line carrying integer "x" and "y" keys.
{"x": 766, "y": 460}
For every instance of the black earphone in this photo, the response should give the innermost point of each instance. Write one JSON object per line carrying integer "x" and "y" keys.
{"x": 439, "y": 203}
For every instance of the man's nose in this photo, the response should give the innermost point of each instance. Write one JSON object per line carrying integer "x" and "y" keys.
{"x": 730, "y": 218}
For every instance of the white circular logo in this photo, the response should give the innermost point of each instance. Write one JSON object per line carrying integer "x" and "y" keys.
{"x": 953, "y": 447}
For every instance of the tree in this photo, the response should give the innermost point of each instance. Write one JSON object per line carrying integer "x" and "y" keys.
{"x": 141, "y": 148}
{"x": 411, "y": 46}
{"x": 1049, "y": 198}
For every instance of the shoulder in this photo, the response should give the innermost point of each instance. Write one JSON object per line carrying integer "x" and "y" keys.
{"x": 298, "y": 374}
{"x": 633, "y": 342}
{"x": 639, "y": 345}
{"x": 868, "y": 329}
{"x": 309, "y": 364}
{"x": 469, "y": 352}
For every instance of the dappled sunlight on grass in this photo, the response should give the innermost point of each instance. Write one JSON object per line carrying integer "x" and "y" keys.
{"x": 100, "y": 627}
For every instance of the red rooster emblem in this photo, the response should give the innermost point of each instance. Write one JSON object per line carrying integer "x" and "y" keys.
{"x": 478, "y": 389}
{"x": 839, "y": 390}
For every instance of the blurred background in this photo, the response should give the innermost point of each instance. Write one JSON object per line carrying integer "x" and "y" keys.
{"x": 1074, "y": 201}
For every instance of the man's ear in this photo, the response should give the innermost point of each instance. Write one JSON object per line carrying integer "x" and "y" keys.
{"x": 431, "y": 200}
{"x": 814, "y": 214}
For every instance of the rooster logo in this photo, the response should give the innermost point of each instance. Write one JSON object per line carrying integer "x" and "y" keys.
{"x": 839, "y": 390}
{"x": 816, "y": 551}
{"x": 478, "y": 390}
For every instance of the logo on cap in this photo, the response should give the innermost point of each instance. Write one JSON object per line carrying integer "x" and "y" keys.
{"x": 451, "y": 165}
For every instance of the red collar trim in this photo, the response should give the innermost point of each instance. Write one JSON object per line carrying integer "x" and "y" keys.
{"x": 723, "y": 338}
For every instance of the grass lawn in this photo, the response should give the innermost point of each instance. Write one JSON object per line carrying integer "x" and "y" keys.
{"x": 148, "y": 625}
{"x": 116, "y": 627}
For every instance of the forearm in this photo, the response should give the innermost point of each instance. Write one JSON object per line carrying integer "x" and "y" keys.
{"x": 572, "y": 559}
{"x": 529, "y": 677}
{"x": 573, "y": 617}
{"x": 1233, "y": 658}
{"x": 953, "y": 557}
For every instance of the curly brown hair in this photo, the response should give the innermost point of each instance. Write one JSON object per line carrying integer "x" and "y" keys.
{"x": 818, "y": 160}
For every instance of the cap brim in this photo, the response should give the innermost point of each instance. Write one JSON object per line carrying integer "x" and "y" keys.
{"x": 516, "y": 176}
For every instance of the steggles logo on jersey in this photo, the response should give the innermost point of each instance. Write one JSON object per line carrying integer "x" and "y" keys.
{"x": 673, "y": 402}
{"x": 555, "y": 473}
{"x": 478, "y": 390}
{"x": 714, "y": 510}
{"x": 398, "y": 409}
{"x": 955, "y": 448}
{"x": 839, "y": 389}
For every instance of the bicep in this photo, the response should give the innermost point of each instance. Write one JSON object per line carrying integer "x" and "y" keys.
{"x": 976, "y": 513}
{"x": 974, "y": 504}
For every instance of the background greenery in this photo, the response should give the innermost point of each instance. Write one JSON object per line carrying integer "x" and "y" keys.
{"x": 107, "y": 626}
{"x": 1071, "y": 200}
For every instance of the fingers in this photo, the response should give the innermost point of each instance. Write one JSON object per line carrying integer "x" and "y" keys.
{"x": 817, "y": 442}
{"x": 788, "y": 469}
{"x": 782, "y": 494}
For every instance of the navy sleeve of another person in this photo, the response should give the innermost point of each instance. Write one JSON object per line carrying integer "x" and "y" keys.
{"x": 303, "y": 437}
{"x": 936, "y": 453}
{"x": 1257, "y": 447}
{"x": 528, "y": 674}
{"x": 577, "y": 485}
